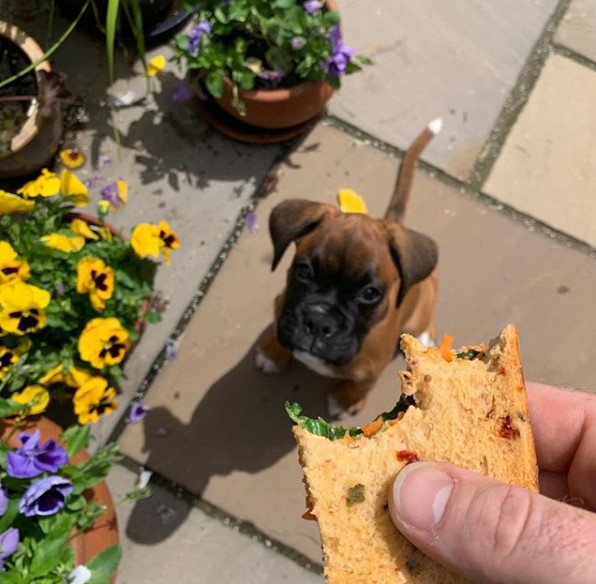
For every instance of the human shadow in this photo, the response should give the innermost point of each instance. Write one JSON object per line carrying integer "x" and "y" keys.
{"x": 239, "y": 425}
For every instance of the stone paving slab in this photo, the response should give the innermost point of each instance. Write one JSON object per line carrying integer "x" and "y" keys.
{"x": 458, "y": 60}
{"x": 577, "y": 30}
{"x": 203, "y": 551}
{"x": 546, "y": 168}
{"x": 218, "y": 426}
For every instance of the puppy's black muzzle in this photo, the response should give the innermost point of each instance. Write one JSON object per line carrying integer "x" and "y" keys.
{"x": 319, "y": 329}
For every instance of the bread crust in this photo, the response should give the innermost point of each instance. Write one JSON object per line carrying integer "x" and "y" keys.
{"x": 470, "y": 412}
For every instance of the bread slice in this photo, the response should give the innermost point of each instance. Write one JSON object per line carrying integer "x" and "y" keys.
{"x": 469, "y": 408}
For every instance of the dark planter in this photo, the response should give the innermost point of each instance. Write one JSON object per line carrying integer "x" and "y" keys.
{"x": 161, "y": 18}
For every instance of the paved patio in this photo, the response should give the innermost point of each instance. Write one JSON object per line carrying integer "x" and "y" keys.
{"x": 508, "y": 190}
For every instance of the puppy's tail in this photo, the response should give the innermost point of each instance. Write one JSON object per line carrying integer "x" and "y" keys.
{"x": 401, "y": 193}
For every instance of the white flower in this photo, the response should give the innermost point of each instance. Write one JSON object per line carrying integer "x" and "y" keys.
{"x": 143, "y": 479}
{"x": 80, "y": 575}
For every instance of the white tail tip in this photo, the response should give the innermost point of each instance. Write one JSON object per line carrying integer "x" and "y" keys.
{"x": 435, "y": 126}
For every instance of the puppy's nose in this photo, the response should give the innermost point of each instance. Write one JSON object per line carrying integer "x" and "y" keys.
{"x": 318, "y": 323}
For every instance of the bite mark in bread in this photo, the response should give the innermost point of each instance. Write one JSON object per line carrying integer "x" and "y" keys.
{"x": 465, "y": 406}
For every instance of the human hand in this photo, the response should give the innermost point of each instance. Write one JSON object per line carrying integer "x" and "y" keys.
{"x": 491, "y": 532}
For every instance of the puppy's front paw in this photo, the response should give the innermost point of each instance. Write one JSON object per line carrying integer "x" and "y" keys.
{"x": 271, "y": 357}
{"x": 427, "y": 339}
{"x": 335, "y": 409}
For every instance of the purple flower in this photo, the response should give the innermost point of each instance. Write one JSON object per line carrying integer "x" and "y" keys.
{"x": 341, "y": 54}
{"x": 312, "y": 6}
{"x": 196, "y": 36}
{"x": 34, "y": 458}
{"x": 182, "y": 92}
{"x": 45, "y": 496}
{"x": 60, "y": 288}
{"x": 272, "y": 77}
{"x": 171, "y": 349}
{"x": 251, "y": 222}
{"x": 137, "y": 412}
{"x": 9, "y": 543}
{"x": 110, "y": 193}
{"x": 3, "y": 501}
{"x": 298, "y": 42}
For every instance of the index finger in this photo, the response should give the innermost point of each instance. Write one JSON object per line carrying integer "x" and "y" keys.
{"x": 562, "y": 420}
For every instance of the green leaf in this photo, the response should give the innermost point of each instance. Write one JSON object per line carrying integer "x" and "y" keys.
{"x": 284, "y": 3}
{"x": 111, "y": 23}
{"x": 214, "y": 83}
{"x": 75, "y": 439}
{"x": 331, "y": 18}
{"x": 104, "y": 564}
{"x": 9, "y": 408}
{"x": 48, "y": 554}
{"x": 9, "y": 515}
{"x": 152, "y": 317}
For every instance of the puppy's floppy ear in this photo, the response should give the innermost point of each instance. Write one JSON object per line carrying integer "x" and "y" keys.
{"x": 293, "y": 219}
{"x": 415, "y": 255}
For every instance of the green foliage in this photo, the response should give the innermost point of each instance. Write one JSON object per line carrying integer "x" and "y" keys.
{"x": 261, "y": 44}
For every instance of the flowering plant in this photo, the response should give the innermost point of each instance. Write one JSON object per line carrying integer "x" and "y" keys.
{"x": 73, "y": 293}
{"x": 43, "y": 506}
{"x": 264, "y": 44}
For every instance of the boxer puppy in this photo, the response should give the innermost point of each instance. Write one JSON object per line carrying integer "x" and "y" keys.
{"x": 355, "y": 284}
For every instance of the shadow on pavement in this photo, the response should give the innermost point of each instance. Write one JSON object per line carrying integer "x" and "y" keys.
{"x": 240, "y": 425}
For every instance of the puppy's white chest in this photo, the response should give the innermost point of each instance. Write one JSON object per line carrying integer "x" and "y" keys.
{"x": 314, "y": 364}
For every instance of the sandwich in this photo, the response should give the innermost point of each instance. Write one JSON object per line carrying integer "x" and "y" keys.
{"x": 465, "y": 406}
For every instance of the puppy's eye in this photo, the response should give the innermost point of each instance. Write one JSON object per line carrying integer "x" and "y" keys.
{"x": 369, "y": 295}
{"x": 303, "y": 273}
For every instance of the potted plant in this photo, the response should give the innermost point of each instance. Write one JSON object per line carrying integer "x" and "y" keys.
{"x": 57, "y": 519}
{"x": 74, "y": 294}
{"x": 270, "y": 64}
{"x": 31, "y": 100}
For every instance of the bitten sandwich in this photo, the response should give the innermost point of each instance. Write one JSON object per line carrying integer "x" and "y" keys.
{"x": 464, "y": 406}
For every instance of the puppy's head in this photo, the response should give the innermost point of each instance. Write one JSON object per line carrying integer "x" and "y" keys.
{"x": 348, "y": 272}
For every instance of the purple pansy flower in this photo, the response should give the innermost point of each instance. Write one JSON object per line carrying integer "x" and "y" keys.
{"x": 171, "y": 349}
{"x": 312, "y": 6}
{"x": 251, "y": 222}
{"x": 137, "y": 412}
{"x": 45, "y": 496}
{"x": 33, "y": 458}
{"x": 182, "y": 92}
{"x": 3, "y": 501}
{"x": 341, "y": 54}
{"x": 9, "y": 543}
{"x": 196, "y": 36}
{"x": 109, "y": 193}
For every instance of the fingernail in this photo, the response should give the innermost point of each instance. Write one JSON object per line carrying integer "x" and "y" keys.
{"x": 420, "y": 495}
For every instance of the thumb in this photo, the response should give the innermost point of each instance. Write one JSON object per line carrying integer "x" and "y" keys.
{"x": 491, "y": 532}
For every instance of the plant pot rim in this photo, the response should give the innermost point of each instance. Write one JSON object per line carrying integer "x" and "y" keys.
{"x": 34, "y": 53}
{"x": 276, "y": 95}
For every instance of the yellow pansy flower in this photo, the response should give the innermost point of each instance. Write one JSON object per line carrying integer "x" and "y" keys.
{"x": 64, "y": 242}
{"x": 103, "y": 342}
{"x": 47, "y": 184}
{"x": 72, "y": 157}
{"x": 11, "y": 269}
{"x": 148, "y": 239}
{"x": 35, "y": 397}
{"x": 21, "y": 308}
{"x": 75, "y": 377}
{"x": 73, "y": 188}
{"x": 93, "y": 399}
{"x": 96, "y": 279}
{"x": 155, "y": 65}
{"x": 82, "y": 228}
{"x": 8, "y": 357}
{"x": 53, "y": 375}
{"x": 10, "y": 203}
{"x": 351, "y": 202}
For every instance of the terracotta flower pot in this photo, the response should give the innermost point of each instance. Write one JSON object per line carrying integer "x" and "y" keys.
{"x": 272, "y": 115}
{"x": 38, "y": 139}
{"x": 277, "y": 109}
{"x": 104, "y": 532}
